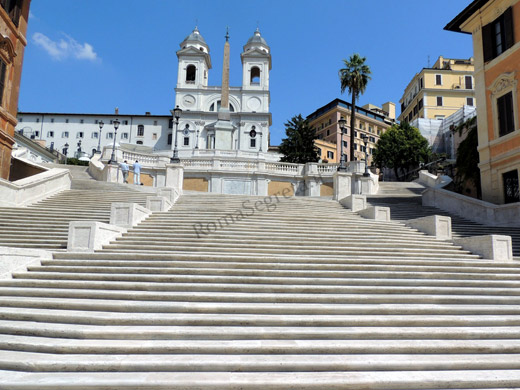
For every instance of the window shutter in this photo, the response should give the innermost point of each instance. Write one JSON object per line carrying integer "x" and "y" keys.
{"x": 509, "y": 32}
{"x": 487, "y": 39}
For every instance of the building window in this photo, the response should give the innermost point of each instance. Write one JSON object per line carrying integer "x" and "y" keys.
{"x": 79, "y": 134}
{"x": 328, "y": 131}
{"x": 125, "y": 122}
{"x": 421, "y": 83}
{"x": 186, "y": 141}
{"x": 330, "y": 154}
{"x": 95, "y": 134}
{"x": 345, "y": 144}
{"x": 140, "y": 131}
{"x": 50, "y": 134}
{"x": 252, "y": 143}
{"x": 415, "y": 110}
{"x": 66, "y": 121}
{"x": 319, "y": 151}
{"x": 110, "y": 135}
{"x": 170, "y": 136}
{"x": 438, "y": 79}
{"x": 372, "y": 139}
{"x": 96, "y": 122}
{"x": 191, "y": 72}
{"x": 511, "y": 191}
{"x": 410, "y": 116}
{"x": 255, "y": 75}
{"x": 355, "y": 146}
{"x": 37, "y": 119}
{"x": 469, "y": 101}
{"x": 439, "y": 101}
{"x": 65, "y": 134}
{"x": 124, "y": 135}
{"x": 506, "y": 123}
{"x": 13, "y": 9}
{"x": 82, "y": 121}
{"x": 139, "y": 142}
{"x": 36, "y": 133}
{"x": 420, "y": 104}
{"x": 498, "y": 36}
{"x": 154, "y": 136}
{"x": 468, "y": 81}
{"x": 355, "y": 134}
{"x": 155, "y": 123}
{"x": 52, "y": 120}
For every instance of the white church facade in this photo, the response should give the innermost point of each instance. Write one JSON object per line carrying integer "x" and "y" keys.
{"x": 248, "y": 120}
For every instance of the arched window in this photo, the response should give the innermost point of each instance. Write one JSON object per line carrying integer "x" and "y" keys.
{"x": 212, "y": 107}
{"x": 140, "y": 130}
{"x": 255, "y": 75}
{"x": 191, "y": 72}
{"x": 139, "y": 142}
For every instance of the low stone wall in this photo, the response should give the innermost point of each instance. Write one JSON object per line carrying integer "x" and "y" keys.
{"x": 473, "y": 209}
{"x": 433, "y": 181}
{"x": 18, "y": 259}
{"x": 34, "y": 188}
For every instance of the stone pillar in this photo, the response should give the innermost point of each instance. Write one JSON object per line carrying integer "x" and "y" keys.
{"x": 342, "y": 185}
{"x": 175, "y": 176}
{"x": 127, "y": 215}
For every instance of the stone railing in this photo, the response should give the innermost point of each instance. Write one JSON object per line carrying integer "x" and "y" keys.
{"x": 327, "y": 168}
{"x": 473, "y": 209}
{"x": 283, "y": 167}
{"x": 34, "y": 188}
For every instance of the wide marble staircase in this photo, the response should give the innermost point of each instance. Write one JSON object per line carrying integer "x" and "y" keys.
{"x": 231, "y": 292}
{"x": 405, "y": 202}
{"x": 45, "y": 224}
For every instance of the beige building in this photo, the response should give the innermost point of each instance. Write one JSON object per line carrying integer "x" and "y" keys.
{"x": 438, "y": 92}
{"x": 371, "y": 121}
{"x": 495, "y": 26}
{"x": 327, "y": 150}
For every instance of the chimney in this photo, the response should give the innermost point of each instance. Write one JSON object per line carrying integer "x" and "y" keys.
{"x": 117, "y": 111}
{"x": 390, "y": 108}
{"x": 148, "y": 113}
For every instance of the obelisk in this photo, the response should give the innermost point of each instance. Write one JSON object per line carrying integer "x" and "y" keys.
{"x": 224, "y": 101}
{"x": 223, "y": 127}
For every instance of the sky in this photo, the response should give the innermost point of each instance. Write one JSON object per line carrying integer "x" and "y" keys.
{"x": 90, "y": 56}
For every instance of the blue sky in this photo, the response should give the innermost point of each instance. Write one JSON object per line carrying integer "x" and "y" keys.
{"x": 90, "y": 56}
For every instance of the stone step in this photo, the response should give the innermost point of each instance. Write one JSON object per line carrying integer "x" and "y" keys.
{"x": 263, "y": 298}
{"x": 492, "y": 379}
{"x": 259, "y": 346}
{"x": 258, "y": 308}
{"x": 287, "y": 266}
{"x": 356, "y": 278}
{"x": 33, "y": 362}
{"x": 124, "y": 319}
{"x": 349, "y": 288}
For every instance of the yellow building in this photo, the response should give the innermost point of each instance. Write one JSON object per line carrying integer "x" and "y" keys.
{"x": 327, "y": 150}
{"x": 438, "y": 92}
{"x": 371, "y": 121}
{"x": 495, "y": 26}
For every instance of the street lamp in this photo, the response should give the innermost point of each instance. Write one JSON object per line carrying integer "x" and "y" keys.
{"x": 342, "y": 126}
{"x": 365, "y": 141}
{"x": 113, "y": 158}
{"x": 101, "y": 124}
{"x": 176, "y": 112}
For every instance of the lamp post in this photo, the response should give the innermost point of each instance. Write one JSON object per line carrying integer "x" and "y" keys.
{"x": 176, "y": 112}
{"x": 342, "y": 122}
{"x": 65, "y": 151}
{"x": 365, "y": 141}
{"x": 101, "y": 124}
{"x": 113, "y": 158}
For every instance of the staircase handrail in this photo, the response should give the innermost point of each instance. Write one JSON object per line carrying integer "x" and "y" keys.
{"x": 34, "y": 188}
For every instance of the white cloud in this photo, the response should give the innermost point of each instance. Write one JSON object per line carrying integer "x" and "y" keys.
{"x": 64, "y": 48}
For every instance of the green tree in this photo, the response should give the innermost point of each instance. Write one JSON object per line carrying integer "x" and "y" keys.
{"x": 401, "y": 148}
{"x": 467, "y": 169}
{"x": 354, "y": 77}
{"x": 299, "y": 146}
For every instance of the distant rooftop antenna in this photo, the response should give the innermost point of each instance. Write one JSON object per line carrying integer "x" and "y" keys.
{"x": 428, "y": 61}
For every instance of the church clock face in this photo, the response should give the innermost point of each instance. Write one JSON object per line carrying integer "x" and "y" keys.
{"x": 188, "y": 100}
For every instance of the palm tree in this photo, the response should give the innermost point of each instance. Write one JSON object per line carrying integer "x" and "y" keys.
{"x": 354, "y": 77}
